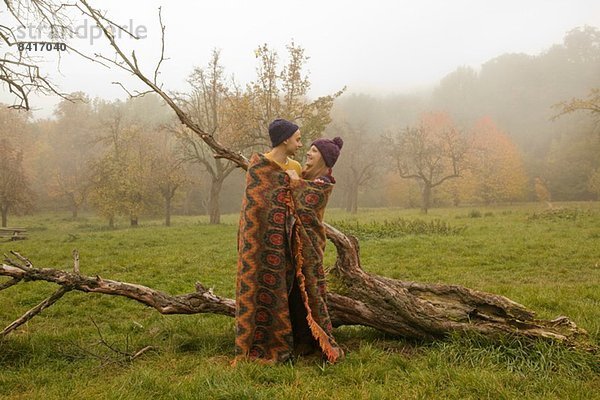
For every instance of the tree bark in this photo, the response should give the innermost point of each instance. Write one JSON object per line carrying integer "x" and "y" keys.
{"x": 430, "y": 311}
{"x": 4, "y": 217}
{"x": 213, "y": 201}
{"x": 348, "y": 196}
{"x": 352, "y": 198}
{"x": 426, "y": 197}
{"x": 167, "y": 211}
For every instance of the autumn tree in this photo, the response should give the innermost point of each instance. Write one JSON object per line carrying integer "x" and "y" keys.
{"x": 570, "y": 162}
{"x": 496, "y": 164}
{"x": 239, "y": 117}
{"x": 541, "y": 191}
{"x": 573, "y": 160}
{"x": 431, "y": 153}
{"x": 400, "y": 192}
{"x": 15, "y": 193}
{"x": 462, "y": 189}
{"x": 70, "y": 148}
{"x": 104, "y": 192}
{"x": 282, "y": 92}
{"x": 137, "y": 190}
{"x": 123, "y": 182}
{"x": 167, "y": 170}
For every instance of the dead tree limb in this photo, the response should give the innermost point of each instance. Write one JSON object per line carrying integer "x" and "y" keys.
{"x": 200, "y": 301}
{"x": 431, "y": 311}
{"x": 35, "y": 310}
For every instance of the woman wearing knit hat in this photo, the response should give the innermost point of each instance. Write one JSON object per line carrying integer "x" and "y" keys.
{"x": 320, "y": 159}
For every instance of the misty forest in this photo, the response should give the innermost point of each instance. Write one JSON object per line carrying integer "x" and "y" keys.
{"x": 463, "y": 230}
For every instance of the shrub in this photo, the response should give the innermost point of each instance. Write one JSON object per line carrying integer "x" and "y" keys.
{"x": 559, "y": 214}
{"x": 397, "y": 227}
{"x": 474, "y": 214}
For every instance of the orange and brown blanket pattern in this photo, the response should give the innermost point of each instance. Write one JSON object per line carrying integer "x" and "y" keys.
{"x": 280, "y": 238}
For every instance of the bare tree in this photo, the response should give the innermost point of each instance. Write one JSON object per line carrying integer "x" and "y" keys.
{"x": 208, "y": 105}
{"x": 357, "y": 164}
{"x": 431, "y": 153}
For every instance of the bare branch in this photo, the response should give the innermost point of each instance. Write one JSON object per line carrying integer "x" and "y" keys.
{"x": 35, "y": 310}
{"x": 9, "y": 283}
{"x": 141, "y": 352}
{"x": 105, "y": 343}
{"x": 197, "y": 302}
{"x": 162, "y": 47}
{"x": 25, "y": 260}
{"x": 75, "y": 261}
{"x": 131, "y": 95}
{"x": 237, "y": 158}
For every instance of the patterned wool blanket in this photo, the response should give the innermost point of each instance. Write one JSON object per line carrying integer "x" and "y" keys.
{"x": 281, "y": 241}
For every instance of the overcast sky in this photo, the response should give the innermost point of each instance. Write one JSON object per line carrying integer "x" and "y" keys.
{"x": 368, "y": 46}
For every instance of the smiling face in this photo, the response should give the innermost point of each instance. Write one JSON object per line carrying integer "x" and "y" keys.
{"x": 293, "y": 143}
{"x": 314, "y": 158}
{"x": 315, "y": 164}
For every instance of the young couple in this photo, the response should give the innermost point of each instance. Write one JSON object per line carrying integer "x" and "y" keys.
{"x": 320, "y": 158}
{"x": 281, "y": 294}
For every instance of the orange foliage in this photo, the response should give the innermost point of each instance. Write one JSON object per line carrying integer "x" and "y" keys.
{"x": 497, "y": 167}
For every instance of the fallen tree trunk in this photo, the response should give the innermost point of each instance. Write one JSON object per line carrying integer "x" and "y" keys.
{"x": 431, "y": 311}
{"x": 406, "y": 309}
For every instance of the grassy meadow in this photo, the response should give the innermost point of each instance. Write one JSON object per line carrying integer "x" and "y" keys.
{"x": 549, "y": 262}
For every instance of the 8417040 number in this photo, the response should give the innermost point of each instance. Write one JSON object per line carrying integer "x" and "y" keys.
{"x": 42, "y": 46}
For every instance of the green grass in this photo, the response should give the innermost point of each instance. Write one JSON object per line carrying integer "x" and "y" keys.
{"x": 550, "y": 263}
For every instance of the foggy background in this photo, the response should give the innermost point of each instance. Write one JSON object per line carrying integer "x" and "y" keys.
{"x": 380, "y": 47}
{"x": 493, "y": 73}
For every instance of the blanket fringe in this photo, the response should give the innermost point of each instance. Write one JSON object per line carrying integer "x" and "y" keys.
{"x": 321, "y": 336}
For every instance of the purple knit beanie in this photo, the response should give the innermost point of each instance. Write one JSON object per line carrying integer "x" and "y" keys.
{"x": 330, "y": 149}
{"x": 280, "y": 130}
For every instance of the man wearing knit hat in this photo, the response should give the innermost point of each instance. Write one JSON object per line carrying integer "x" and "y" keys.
{"x": 285, "y": 141}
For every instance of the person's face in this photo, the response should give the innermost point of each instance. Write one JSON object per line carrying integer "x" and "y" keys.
{"x": 314, "y": 157}
{"x": 293, "y": 143}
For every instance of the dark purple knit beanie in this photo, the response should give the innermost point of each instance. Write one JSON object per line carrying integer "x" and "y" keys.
{"x": 330, "y": 149}
{"x": 280, "y": 130}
